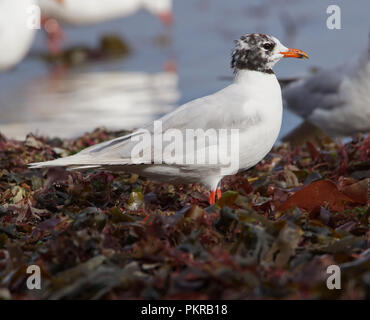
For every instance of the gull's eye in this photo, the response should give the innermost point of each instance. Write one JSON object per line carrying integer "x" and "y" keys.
{"x": 268, "y": 46}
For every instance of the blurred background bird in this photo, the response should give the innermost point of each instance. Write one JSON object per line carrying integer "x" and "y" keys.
{"x": 15, "y": 36}
{"x": 337, "y": 99}
{"x": 85, "y": 12}
{"x": 88, "y": 12}
{"x": 15, "y": 15}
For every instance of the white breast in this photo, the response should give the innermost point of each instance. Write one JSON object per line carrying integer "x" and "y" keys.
{"x": 266, "y": 103}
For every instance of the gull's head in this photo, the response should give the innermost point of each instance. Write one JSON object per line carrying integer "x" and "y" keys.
{"x": 260, "y": 52}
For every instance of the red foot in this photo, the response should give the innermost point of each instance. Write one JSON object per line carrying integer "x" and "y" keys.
{"x": 212, "y": 198}
{"x": 218, "y": 194}
{"x": 166, "y": 18}
{"x": 143, "y": 221}
{"x": 170, "y": 66}
{"x": 55, "y": 34}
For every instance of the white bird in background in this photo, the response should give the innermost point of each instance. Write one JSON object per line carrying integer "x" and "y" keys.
{"x": 252, "y": 104}
{"x": 336, "y": 100}
{"x": 88, "y": 12}
{"x": 15, "y": 35}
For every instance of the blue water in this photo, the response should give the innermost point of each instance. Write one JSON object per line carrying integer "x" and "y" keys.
{"x": 199, "y": 43}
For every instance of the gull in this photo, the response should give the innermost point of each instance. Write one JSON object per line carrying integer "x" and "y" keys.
{"x": 15, "y": 36}
{"x": 89, "y": 12}
{"x": 337, "y": 100}
{"x": 251, "y": 106}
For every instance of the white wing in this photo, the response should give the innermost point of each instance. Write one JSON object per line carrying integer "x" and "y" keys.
{"x": 222, "y": 110}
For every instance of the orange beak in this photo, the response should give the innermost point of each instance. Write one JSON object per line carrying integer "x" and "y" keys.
{"x": 295, "y": 53}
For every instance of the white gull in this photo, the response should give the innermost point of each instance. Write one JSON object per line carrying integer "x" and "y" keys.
{"x": 252, "y": 104}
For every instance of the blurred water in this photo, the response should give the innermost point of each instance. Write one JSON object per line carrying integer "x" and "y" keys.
{"x": 124, "y": 94}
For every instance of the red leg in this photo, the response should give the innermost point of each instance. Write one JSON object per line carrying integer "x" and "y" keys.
{"x": 212, "y": 197}
{"x": 218, "y": 193}
{"x": 55, "y": 34}
{"x": 166, "y": 18}
{"x": 170, "y": 66}
{"x": 143, "y": 221}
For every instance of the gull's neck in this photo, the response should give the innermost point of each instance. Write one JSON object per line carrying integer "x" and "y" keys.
{"x": 260, "y": 86}
{"x": 250, "y": 76}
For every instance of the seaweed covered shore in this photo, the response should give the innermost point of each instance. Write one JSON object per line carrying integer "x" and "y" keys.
{"x": 102, "y": 235}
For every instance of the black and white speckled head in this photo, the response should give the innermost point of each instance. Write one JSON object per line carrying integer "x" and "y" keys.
{"x": 257, "y": 52}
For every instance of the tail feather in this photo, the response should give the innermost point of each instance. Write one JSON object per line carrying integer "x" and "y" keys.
{"x": 61, "y": 162}
{"x": 104, "y": 154}
{"x": 79, "y": 162}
